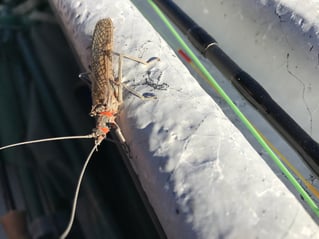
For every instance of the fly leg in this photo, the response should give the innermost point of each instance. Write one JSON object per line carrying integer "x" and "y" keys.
{"x": 120, "y": 68}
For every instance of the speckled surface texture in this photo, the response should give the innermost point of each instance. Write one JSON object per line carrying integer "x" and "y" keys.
{"x": 201, "y": 175}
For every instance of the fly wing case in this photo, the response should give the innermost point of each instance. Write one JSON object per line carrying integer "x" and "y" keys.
{"x": 104, "y": 88}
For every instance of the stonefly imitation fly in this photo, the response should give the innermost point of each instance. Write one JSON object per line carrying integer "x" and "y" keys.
{"x": 107, "y": 97}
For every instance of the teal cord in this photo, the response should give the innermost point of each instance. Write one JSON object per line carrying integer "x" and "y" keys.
{"x": 237, "y": 111}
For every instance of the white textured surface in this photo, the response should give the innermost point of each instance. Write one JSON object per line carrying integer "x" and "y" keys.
{"x": 200, "y": 174}
{"x": 279, "y": 52}
{"x": 305, "y": 13}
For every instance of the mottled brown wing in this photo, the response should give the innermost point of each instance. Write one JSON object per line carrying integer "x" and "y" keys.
{"x": 105, "y": 91}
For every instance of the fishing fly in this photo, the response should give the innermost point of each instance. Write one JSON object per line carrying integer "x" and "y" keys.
{"x": 107, "y": 97}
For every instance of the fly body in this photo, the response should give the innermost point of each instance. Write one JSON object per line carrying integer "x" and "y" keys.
{"x": 106, "y": 99}
{"x": 106, "y": 90}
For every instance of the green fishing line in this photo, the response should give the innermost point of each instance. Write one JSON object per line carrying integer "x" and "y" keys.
{"x": 237, "y": 111}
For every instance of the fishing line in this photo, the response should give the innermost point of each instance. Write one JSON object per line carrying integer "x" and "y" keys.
{"x": 237, "y": 111}
{"x": 256, "y": 95}
{"x": 76, "y": 195}
{"x": 313, "y": 190}
{"x": 89, "y": 136}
